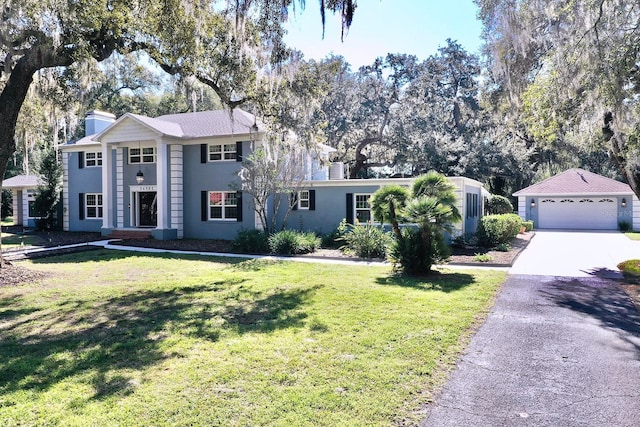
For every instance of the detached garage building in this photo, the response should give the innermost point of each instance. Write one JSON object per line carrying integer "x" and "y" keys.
{"x": 579, "y": 200}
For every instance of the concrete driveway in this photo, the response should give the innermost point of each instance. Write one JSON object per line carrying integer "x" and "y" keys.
{"x": 560, "y": 347}
{"x": 576, "y": 253}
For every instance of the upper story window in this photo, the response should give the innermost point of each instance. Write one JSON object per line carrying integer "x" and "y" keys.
{"x": 363, "y": 208}
{"x": 142, "y": 155}
{"x": 220, "y": 152}
{"x": 93, "y": 159}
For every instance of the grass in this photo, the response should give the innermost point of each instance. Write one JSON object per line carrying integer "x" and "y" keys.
{"x": 6, "y": 221}
{"x": 112, "y": 338}
{"x": 633, "y": 235}
{"x": 13, "y": 240}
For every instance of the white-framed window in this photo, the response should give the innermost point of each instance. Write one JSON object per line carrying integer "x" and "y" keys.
{"x": 93, "y": 159}
{"x": 142, "y": 155}
{"x": 221, "y": 152}
{"x": 93, "y": 205}
{"x": 304, "y": 199}
{"x": 223, "y": 205}
{"x": 363, "y": 208}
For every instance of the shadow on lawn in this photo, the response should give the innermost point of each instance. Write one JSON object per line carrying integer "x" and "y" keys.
{"x": 436, "y": 281}
{"x": 42, "y": 347}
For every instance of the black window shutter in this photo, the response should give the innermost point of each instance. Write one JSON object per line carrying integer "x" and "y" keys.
{"x": 204, "y": 148}
{"x": 312, "y": 200}
{"x": 204, "y": 206}
{"x": 239, "y": 151}
{"x": 81, "y": 206}
{"x": 293, "y": 201}
{"x": 239, "y": 208}
{"x": 349, "y": 215}
{"x": 80, "y": 159}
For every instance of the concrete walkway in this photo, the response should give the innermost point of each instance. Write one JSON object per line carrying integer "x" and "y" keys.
{"x": 561, "y": 346}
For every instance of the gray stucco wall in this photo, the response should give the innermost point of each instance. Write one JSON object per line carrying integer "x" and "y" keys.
{"x": 330, "y": 209}
{"x": 85, "y": 180}
{"x": 211, "y": 176}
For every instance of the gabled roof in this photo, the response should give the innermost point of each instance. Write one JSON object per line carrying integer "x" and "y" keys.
{"x": 201, "y": 124}
{"x": 575, "y": 182}
{"x": 21, "y": 181}
{"x": 213, "y": 123}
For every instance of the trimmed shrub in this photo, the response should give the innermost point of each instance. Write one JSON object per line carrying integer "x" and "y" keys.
{"x": 251, "y": 242}
{"x": 291, "y": 242}
{"x": 335, "y": 238}
{"x": 528, "y": 225}
{"x": 497, "y": 205}
{"x": 496, "y": 229}
{"x": 624, "y": 226}
{"x": 411, "y": 255}
{"x": 630, "y": 269}
{"x": 366, "y": 241}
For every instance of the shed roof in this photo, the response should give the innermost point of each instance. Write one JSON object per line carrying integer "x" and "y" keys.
{"x": 21, "y": 181}
{"x": 575, "y": 182}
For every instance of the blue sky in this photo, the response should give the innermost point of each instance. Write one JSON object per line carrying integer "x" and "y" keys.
{"x": 416, "y": 27}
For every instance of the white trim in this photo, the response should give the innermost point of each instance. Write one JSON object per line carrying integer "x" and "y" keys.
{"x": 635, "y": 213}
{"x": 355, "y": 207}
{"x": 107, "y": 195}
{"x": 65, "y": 191}
{"x": 98, "y": 158}
{"x": 15, "y": 206}
{"x": 96, "y": 205}
{"x": 120, "y": 187}
{"x": 163, "y": 194}
{"x": 177, "y": 186}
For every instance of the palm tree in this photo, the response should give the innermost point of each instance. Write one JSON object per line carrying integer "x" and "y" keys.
{"x": 432, "y": 207}
{"x": 387, "y": 202}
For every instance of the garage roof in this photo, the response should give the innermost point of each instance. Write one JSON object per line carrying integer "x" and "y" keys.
{"x": 575, "y": 182}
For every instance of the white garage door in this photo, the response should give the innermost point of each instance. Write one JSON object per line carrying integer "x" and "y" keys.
{"x": 600, "y": 213}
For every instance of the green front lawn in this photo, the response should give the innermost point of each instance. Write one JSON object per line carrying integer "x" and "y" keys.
{"x": 11, "y": 240}
{"x": 6, "y": 221}
{"x": 112, "y": 338}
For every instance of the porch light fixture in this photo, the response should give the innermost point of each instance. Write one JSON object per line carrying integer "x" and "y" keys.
{"x": 140, "y": 175}
{"x": 533, "y": 203}
{"x": 624, "y": 202}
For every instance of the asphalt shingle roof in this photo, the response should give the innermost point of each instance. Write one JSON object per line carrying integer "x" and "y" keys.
{"x": 575, "y": 181}
{"x": 21, "y": 181}
{"x": 211, "y": 123}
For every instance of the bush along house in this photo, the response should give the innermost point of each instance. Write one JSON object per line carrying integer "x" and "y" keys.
{"x": 175, "y": 176}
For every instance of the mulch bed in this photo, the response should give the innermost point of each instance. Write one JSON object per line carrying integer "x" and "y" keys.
{"x": 12, "y": 275}
{"x": 466, "y": 255}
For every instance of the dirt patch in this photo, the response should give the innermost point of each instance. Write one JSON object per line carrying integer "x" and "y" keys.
{"x": 14, "y": 275}
{"x": 633, "y": 290}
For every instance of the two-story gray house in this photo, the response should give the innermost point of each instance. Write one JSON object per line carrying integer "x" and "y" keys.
{"x": 172, "y": 176}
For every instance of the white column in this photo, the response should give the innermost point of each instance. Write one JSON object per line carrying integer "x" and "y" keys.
{"x": 162, "y": 174}
{"x": 65, "y": 191}
{"x": 107, "y": 190}
{"x": 177, "y": 201}
{"x": 25, "y": 207}
{"x": 120, "y": 187}
{"x": 16, "y": 207}
{"x": 635, "y": 213}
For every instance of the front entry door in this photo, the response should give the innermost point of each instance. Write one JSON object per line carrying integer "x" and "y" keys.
{"x": 148, "y": 213}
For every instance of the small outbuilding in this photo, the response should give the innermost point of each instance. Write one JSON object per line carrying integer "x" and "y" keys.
{"x": 577, "y": 199}
{"x": 23, "y": 189}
